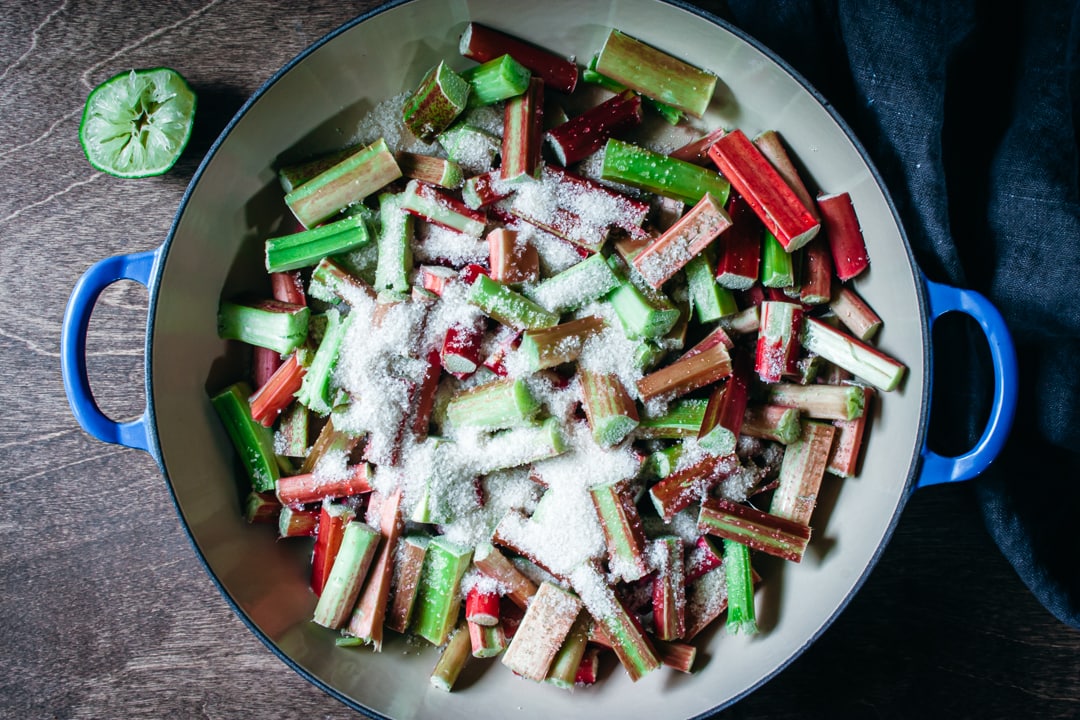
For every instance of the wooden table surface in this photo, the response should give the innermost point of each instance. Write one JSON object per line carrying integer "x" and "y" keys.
{"x": 105, "y": 611}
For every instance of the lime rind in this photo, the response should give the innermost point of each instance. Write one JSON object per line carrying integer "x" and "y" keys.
{"x": 137, "y": 124}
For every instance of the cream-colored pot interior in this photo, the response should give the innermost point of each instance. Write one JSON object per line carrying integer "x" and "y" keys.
{"x": 235, "y": 202}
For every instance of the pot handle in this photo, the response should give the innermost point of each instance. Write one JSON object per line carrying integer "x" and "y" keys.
{"x": 938, "y": 468}
{"x": 135, "y": 266}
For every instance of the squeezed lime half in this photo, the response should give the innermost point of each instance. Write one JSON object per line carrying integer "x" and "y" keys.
{"x": 136, "y": 124}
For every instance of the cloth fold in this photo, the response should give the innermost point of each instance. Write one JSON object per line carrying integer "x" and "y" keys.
{"x": 972, "y": 116}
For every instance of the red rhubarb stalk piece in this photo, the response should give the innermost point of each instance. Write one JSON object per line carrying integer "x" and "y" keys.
{"x": 687, "y": 485}
{"x": 623, "y": 531}
{"x": 756, "y": 529}
{"x": 264, "y": 363}
{"x": 439, "y": 207}
{"x": 677, "y": 655}
{"x": 845, "y": 237}
{"x": 753, "y": 177}
{"x": 848, "y": 441}
{"x": 408, "y": 565}
{"x": 262, "y": 507}
{"x": 680, "y": 243}
{"x": 297, "y": 523}
{"x": 669, "y": 588}
{"x": 332, "y": 519}
{"x": 287, "y": 287}
{"x": 278, "y": 392}
{"x": 589, "y": 668}
{"x": 424, "y": 397}
{"x": 722, "y": 423}
{"x": 686, "y": 374}
{"x": 738, "y": 250}
{"x": 817, "y": 273}
{"x": 697, "y": 151}
{"x": 703, "y": 557}
{"x": 435, "y": 278}
{"x": 579, "y": 137}
{"x": 484, "y": 189}
{"x": 482, "y": 606}
{"x": 492, "y": 563}
{"x": 718, "y": 336}
{"x": 482, "y": 43}
{"x": 460, "y": 353}
{"x": 513, "y": 260}
{"x": 299, "y": 490}
{"x": 523, "y": 127}
{"x": 470, "y": 272}
{"x": 778, "y": 340}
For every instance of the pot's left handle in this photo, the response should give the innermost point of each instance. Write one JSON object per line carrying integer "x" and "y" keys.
{"x": 939, "y": 468}
{"x": 138, "y": 267}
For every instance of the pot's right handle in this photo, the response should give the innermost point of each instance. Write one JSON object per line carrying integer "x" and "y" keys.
{"x": 138, "y": 267}
{"x": 938, "y": 468}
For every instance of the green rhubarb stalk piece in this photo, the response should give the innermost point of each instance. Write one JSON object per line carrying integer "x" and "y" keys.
{"x": 496, "y": 80}
{"x": 801, "y": 472}
{"x": 495, "y": 405}
{"x": 663, "y": 462}
{"x": 430, "y": 169}
{"x": 672, "y": 114}
{"x": 609, "y": 409}
{"x": 710, "y": 300}
{"x": 574, "y": 287}
{"x": 772, "y": 422}
{"x": 853, "y": 355}
{"x": 530, "y": 444}
{"x": 547, "y": 623}
{"x": 823, "y": 402}
{"x": 436, "y": 103}
{"x": 682, "y": 419}
{"x": 558, "y": 344}
{"x": 452, "y": 660}
{"x": 350, "y": 568}
{"x": 623, "y": 531}
{"x": 473, "y": 149}
{"x": 756, "y": 529}
{"x": 308, "y": 247}
{"x": 777, "y": 265}
{"x": 314, "y": 392}
{"x": 271, "y": 324}
{"x": 333, "y": 282}
{"x": 254, "y": 443}
{"x": 293, "y": 431}
{"x": 438, "y": 598}
{"x": 508, "y": 307}
{"x": 295, "y": 175}
{"x": 741, "y": 618}
{"x": 439, "y": 208}
{"x": 655, "y": 73}
{"x": 622, "y": 629}
{"x": 639, "y": 316}
{"x": 395, "y": 246}
{"x": 656, "y": 173}
{"x": 564, "y": 666}
{"x": 350, "y": 181}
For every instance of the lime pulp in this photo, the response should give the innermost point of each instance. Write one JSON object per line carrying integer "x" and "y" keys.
{"x": 136, "y": 124}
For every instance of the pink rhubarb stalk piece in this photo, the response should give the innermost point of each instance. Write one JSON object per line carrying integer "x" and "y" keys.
{"x": 435, "y": 278}
{"x": 424, "y": 396}
{"x": 405, "y": 581}
{"x": 297, "y": 523}
{"x": 297, "y": 490}
{"x": 845, "y": 237}
{"x": 686, "y": 374}
{"x": 801, "y": 473}
{"x": 513, "y": 260}
{"x": 772, "y": 147}
{"x": 848, "y": 441}
{"x": 754, "y": 177}
{"x": 687, "y": 485}
{"x": 858, "y": 317}
{"x": 579, "y": 137}
{"x": 669, "y": 588}
{"x": 523, "y": 127}
{"x": 680, "y": 243}
{"x": 493, "y": 564}
{"x": 278, "y": 392}
{"x": 697, "y": 151}
{"x": 482, "y": 43}
{"x": 757, "y": 530}
{"x": 778, "y": 340}
{"x": 369, "y": 615}
{"x": 542, "y": 631}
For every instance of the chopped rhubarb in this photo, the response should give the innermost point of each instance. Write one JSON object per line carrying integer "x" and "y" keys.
{"x": 589, "y": 668}
{"x": 350, "y": 181}
{"x": 815, "y": 287}
{"x": 722, "y": 423}
{"x": 278, "y": 392}
{"x": 494, "y": 405}
{"x": 460, "y": 353}
{"x": 772, "y": 147}
{"x": 848, "y": 442}
{"x": 332, "y": 520}
{"x": 264, "y": 363}
{"x": 286, "y": 287}
{"x": 487, "y": 640}
{"x": 424, "y": 397}
{"x": 682, "y": 241}
{"x": 753, "y": 177}
{"x": 562, "y": 343}
{"x": 435, "y": 278}
{"x": 482, "y": 606}
{"x": 495, "y": 80}
{"x": 738, "y": 253}
{"x": 485, "y": 189}
{"x": 523, "y": 126}
{"x": 564, "y": 667}
{"x": 369, "y": 615}
{"x": 583, "y": 135}
{"x": 689, "y": 484}
{"x": 852, "y": 354}
{"x": 513, "y": 259}
{"x": 823, "y": 402}
{"x": 654, "y": 172}
{"x": 349, "y": 570}
{"x": 261, "y": 507}
{"x": 756, "y": 529}
{"x": 609, "y": 409}
{"x": 677, "y": 655}
{"x": 297, "y": 523}
{"x": 686, "y": 374}
{"x": 542, "y": 631}
{"x": 452, "y": 660}
{"x": 740, "y": 589}
{"x": 482, "y": 43}
{"x": 844, "y": 234}
{"x": 272, "y": 324}
{"x": 408, "y": 565}
{"x": 299, "y": 490}
{"x": 622, "y": 629}
{"x": 669, "y": 588}
{"x": 441, "y": 208}
{"x": 436, "y": 102}
{"x": 855, "y": 314}
{"x": 331, "y": 281}
{"x": 430, "y": 169}
{"x": 622, "y": 528}
{"x": 697, "y": 151}
{"x": 706, "y": 555}
{"x": 508, "y": 307}
{"x": 253, "y": 442}
{"x": 492, "y": 563}
{"x": 778, "y": 340}
{"x": 801, "y": 473}
{"x": 439, "y": 593}
{"x": 779, "y": 423}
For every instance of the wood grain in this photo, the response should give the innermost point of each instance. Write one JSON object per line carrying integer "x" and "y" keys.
{"x": 105, "y": 611}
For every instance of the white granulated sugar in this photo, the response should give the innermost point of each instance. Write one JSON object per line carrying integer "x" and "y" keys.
{"x": 384, "y": 121}
{"x": 555, "y": 253}
{"x": 332, "y": 465}
{"x": 737, "y": 485}
{"x": 685, "y": 525}
{"x": 452, "y": 308}
{"x": 503, "y": 491}
{"x": 474, "y": 579}
{"x": 610, "y": 351}
{"x": 489, "y": 118}
{"x": 692, "y": 453}
{"x": 591, "y": 586}
{"x": 433, "y": 243}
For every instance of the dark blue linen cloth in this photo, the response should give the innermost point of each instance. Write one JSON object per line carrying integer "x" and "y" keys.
{"x": 971, "y": 112}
